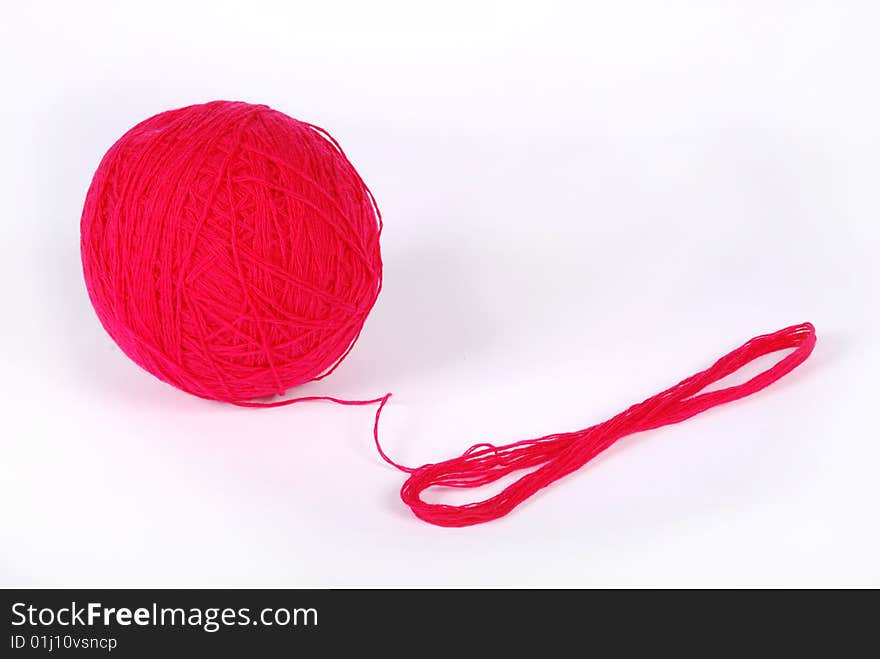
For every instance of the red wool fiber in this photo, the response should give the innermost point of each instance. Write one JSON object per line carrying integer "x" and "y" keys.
{"x": 233, "y": 252}
{"x": 230, "y": 250}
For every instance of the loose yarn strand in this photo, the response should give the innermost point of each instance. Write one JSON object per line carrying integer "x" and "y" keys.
{"x": 305, "y": 399}
{"x": 560, "y": 454}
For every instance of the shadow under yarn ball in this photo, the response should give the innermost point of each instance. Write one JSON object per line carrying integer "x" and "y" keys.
{"x": 231, "y": 250}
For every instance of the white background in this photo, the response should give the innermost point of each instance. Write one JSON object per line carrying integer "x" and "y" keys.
{"x": 584, "y": 203}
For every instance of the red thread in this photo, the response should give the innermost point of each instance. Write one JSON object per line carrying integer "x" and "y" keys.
{"x": 554, "y": 456}
{"x": 233, "y": 252}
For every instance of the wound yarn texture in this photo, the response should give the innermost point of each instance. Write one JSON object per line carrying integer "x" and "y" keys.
{"x": 231, "y": 250}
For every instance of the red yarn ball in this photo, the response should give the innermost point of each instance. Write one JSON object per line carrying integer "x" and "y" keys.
{"x": 231, "y": 250}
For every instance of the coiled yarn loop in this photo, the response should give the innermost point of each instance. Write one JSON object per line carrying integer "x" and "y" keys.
{"x": 554, "y": 456}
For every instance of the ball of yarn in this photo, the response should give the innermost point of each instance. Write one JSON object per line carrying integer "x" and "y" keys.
{"x": 231, "y": 250}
